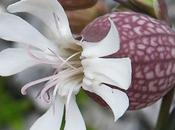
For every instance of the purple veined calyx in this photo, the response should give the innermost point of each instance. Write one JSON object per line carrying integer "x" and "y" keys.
{"x": 78, "y": 64}
{"x": 150, "y": 44}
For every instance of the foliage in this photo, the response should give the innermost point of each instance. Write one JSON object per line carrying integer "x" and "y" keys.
{"x": 12, "y": 108}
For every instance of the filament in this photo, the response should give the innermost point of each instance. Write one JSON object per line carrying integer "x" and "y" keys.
{"x": 65, "y": 70}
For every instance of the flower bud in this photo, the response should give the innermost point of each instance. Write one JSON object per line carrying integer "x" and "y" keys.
{"x": 150, "y": 44}
{"x": 80, "y": 18}
{"x": 77, "y": 4}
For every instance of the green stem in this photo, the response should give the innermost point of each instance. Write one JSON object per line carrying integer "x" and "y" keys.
{"x": 171, "y": 122}
{"x": 168, "y": 98}
{"x": 164, "y": 110}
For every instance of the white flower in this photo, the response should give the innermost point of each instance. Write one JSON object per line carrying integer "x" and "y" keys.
{"x": 78, "y": 64}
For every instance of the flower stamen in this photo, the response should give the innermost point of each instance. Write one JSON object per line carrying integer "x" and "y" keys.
{"x": 41, "y": 60}
{"x": 69, "y": 64}
{"x": 25, "y": 87}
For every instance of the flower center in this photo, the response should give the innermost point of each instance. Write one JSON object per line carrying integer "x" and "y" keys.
{"x": 68, "y": 69}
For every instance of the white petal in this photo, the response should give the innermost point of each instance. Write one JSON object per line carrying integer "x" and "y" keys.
{"x": 14, "y": 60}
{"x": 52, "y": 119}
{"x": 117, "y": 100}
{"x": 109, "y": 45}
{"x": 74, "y": 119}
{"x": 13, "y": 28}
{"x": 47, "y": 11}
{"x": 70, "y": 84}
{"x": 112, "y": 71}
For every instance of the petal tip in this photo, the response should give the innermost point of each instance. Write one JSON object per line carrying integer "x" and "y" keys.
{"x": 10, "y": 8}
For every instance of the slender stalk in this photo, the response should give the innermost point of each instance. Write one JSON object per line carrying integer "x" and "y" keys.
{"x": 164, "y": 114}
{"x": 164, "y": 111}
{"x": 171, "y": 122}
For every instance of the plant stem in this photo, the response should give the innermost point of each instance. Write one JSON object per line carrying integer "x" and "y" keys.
{"x": 164, "y": 110}
{"x": 171, "y": 122}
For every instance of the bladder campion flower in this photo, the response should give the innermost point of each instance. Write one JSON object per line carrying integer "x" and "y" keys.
{"x": 77, "y": 64}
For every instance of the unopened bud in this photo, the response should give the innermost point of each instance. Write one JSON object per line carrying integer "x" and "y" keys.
{"x": 80, "y": 18}
{"x": 77, "y": 4}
